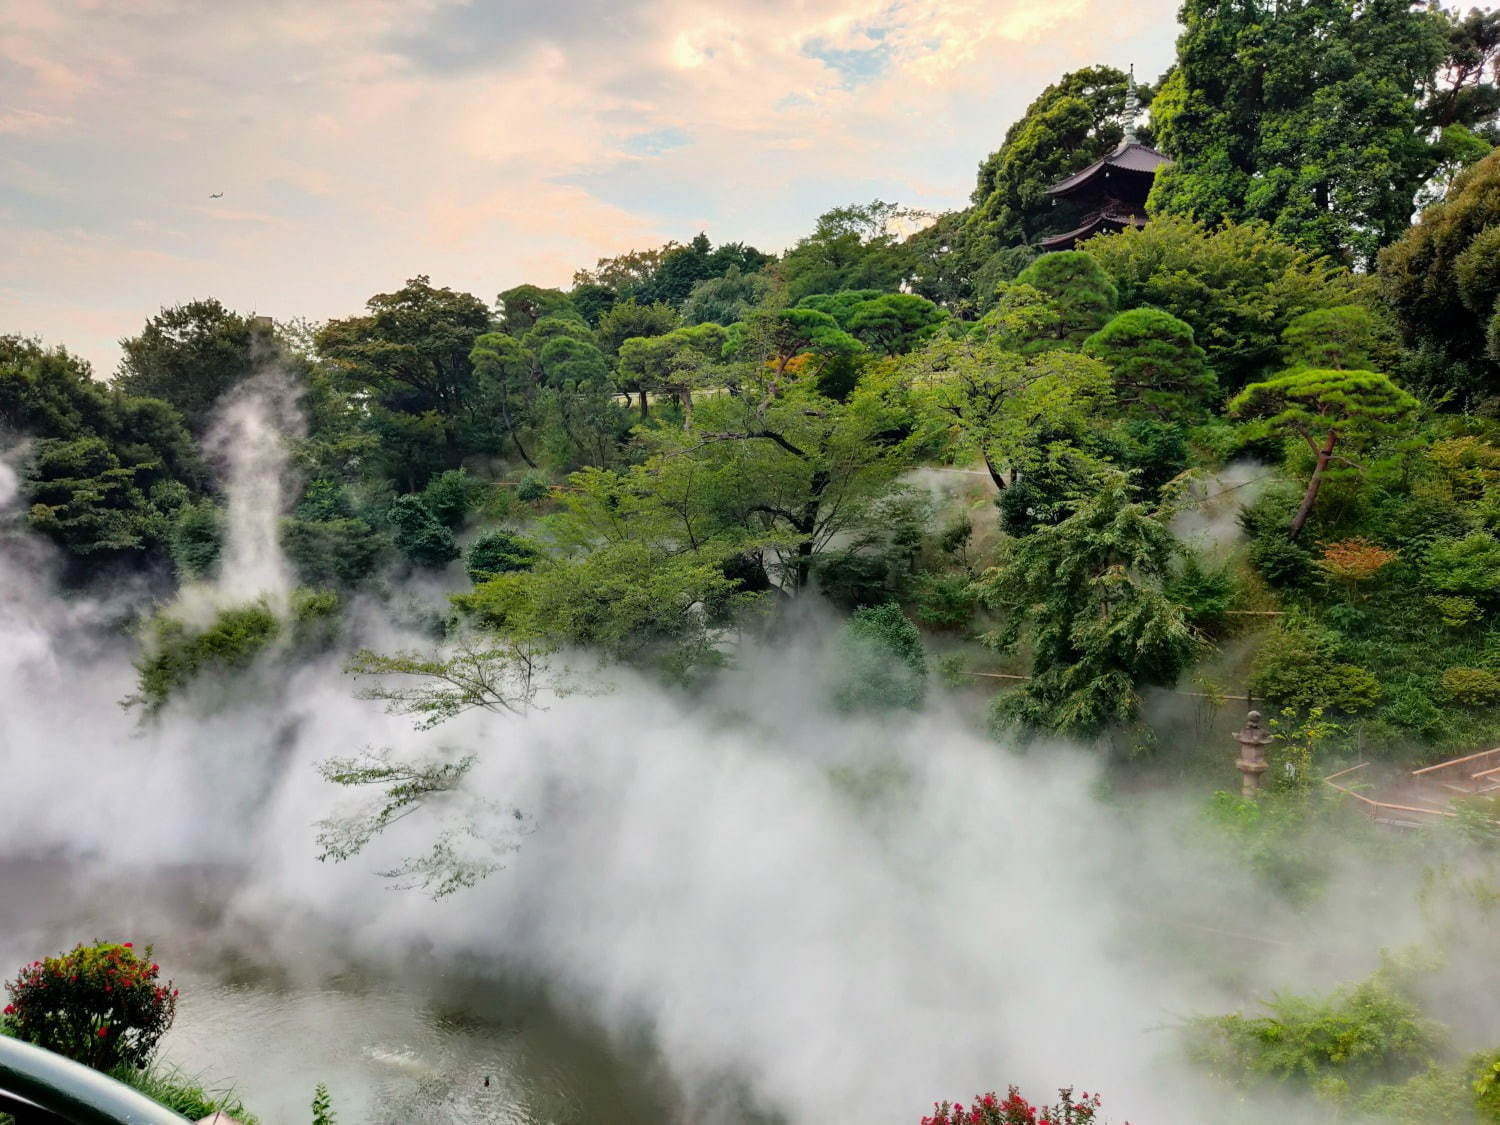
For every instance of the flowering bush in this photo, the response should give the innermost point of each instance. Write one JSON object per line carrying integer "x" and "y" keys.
{"x": 101, "y": 1004}
{"x": 1013, "y": 1109}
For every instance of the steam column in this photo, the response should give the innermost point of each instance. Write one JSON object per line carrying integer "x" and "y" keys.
{"x": 1253, "y": 740}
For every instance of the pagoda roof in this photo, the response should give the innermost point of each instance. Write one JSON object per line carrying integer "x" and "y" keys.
{"x": 1128, "y": 156}
{"x": 1110, "y": 219}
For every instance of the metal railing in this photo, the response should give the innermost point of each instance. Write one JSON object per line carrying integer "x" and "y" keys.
{"x": 38, "y": 1087}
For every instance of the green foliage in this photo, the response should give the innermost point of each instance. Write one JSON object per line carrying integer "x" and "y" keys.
{"x": 1089, "y": 591}
{"x": 724, "y": 300}
{"x": 894, "y": 323}
{"x": 531, "y": 488}
{"x": 1077, "y": 294}
{"x": 522, "y": 306}
{"x": 99, "y": 1004}
{"x": 332, "y": 552}
{"x": 1441, "y": 281}
{"x": 1474, "y": 687}
{"x": 183, "y": 1094}
{"x": 1239, "y": 286}
{"x": 1468, "y": 567}
{"x": 175, "y": 654}
{"x": 493, "y": 676}
{"x": 322, "y": 1107}
{"x": 1156, "y": 366}
{"x": 1298, "y": 665}
{"x": 196, "y": 536}
{"x": 107, "y": 471}
{"x": 629, "y": 319}
{"x": 1308, "y": 117}
{"x": 851, "y": 247}
{"x": 1327, "y": 410}
{"x": 1204, "y": 593}
{"x": 497, "y": 552}
{"x": 418, "y": 535}
{"x": 190, "y": 356}
{"x": 1357, "y": 1035}
{"x": 1345, "y": 337}
{"x": 451, "y": 496}
{"x": 880, "y": 665}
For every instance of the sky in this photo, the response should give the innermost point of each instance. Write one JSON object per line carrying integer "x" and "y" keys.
{"x": 358, "y": 143}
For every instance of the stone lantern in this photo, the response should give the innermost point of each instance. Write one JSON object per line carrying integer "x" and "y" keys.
{"x": 1253, "y": 740}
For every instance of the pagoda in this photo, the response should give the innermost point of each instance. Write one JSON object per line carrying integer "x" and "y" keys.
{"x": 1110, "y": 194}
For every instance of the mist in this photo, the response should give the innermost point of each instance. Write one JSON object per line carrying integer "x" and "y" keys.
{"x": 809, "y": 915}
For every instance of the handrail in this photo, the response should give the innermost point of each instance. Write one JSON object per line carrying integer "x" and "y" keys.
{"x": 73, "y": 1092}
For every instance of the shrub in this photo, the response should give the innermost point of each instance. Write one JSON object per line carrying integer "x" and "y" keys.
{"x": 1469, "y": 566}
{"x": 498, "y": 552}
{"x": 195, "y": 539}
{"x": 1474, "y": 687}
{"x": 177, "y": 655}
{"x": 1361, "y": 1033}
{"x": 531, "y": 487}
{"x": 337, "y": 552}
{"x": 1485, "y": 1070}
{"x": 450, "y": 496}
{"x": 419, "y": 536}
{"x": 881, "y": 665}
{"x": 1354, "y": 561}
{"x": 1298, "y": 666}
{"x": 945, "y": 601}
{"x": 1454, "y": 611}
{"x": 1013, "y": 1109}
{"x": 100, "y": 1004}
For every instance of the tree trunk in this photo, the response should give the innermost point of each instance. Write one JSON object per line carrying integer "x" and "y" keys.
{"x": 1313, "y": 484}
{"x": 687, "y": 409}
{"x": 994, "y": 472}
{"x": 511, "y": 429}
{"x": 645, "y": 409}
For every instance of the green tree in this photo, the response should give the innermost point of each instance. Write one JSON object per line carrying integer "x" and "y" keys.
{"x": 879, "y": 662}
{"x": 724, "y": 300}
{"x": 630, "y": 319}
{"x": 676, "y": 363}
{"x": 775, "y": 337}
{"x": 1345, "y": 338}
{"x": 979, "y": 399}
{"x": 1077, "y": 298}
{"x": 895, "y": 323}
{"x": 853, "y": 247}
{"x": 1239, "y": 287}
{"x": 419, "y": 536}
{"x": 1308, "y": 116}
{"x": 521, "y": 307}
{"x": 506, "y": 383}
{"x": 1442, "y": 281}
{"x": 1329, "y": 410}
{"x": 1088, "y": 595}
{"x": 189, "y": 355}
{"x": 411, "y": 352}
{"x": 497, "y": 552}
{"x": 1156, "y": 365}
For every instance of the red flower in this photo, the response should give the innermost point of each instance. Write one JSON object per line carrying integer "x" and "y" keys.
{"x": 10, "y": 1009}
{"x": 103, "y": 1031}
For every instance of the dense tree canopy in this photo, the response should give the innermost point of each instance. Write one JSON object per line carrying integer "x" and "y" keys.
{"x": 1315, "y": 117}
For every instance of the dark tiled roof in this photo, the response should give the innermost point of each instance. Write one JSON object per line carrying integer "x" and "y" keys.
{"x": 1111, "y": 220}
{"x": 1129, "y": 156}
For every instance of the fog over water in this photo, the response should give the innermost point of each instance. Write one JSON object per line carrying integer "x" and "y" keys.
{"x": 817, "y": 917}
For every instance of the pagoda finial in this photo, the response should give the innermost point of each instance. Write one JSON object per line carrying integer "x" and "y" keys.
{"x": 1132, "y": 109}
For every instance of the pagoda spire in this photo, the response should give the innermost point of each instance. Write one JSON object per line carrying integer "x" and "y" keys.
{"x": 1132, "y": 110}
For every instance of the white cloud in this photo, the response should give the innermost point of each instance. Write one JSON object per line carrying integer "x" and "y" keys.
{"x": 358, "y": 143}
